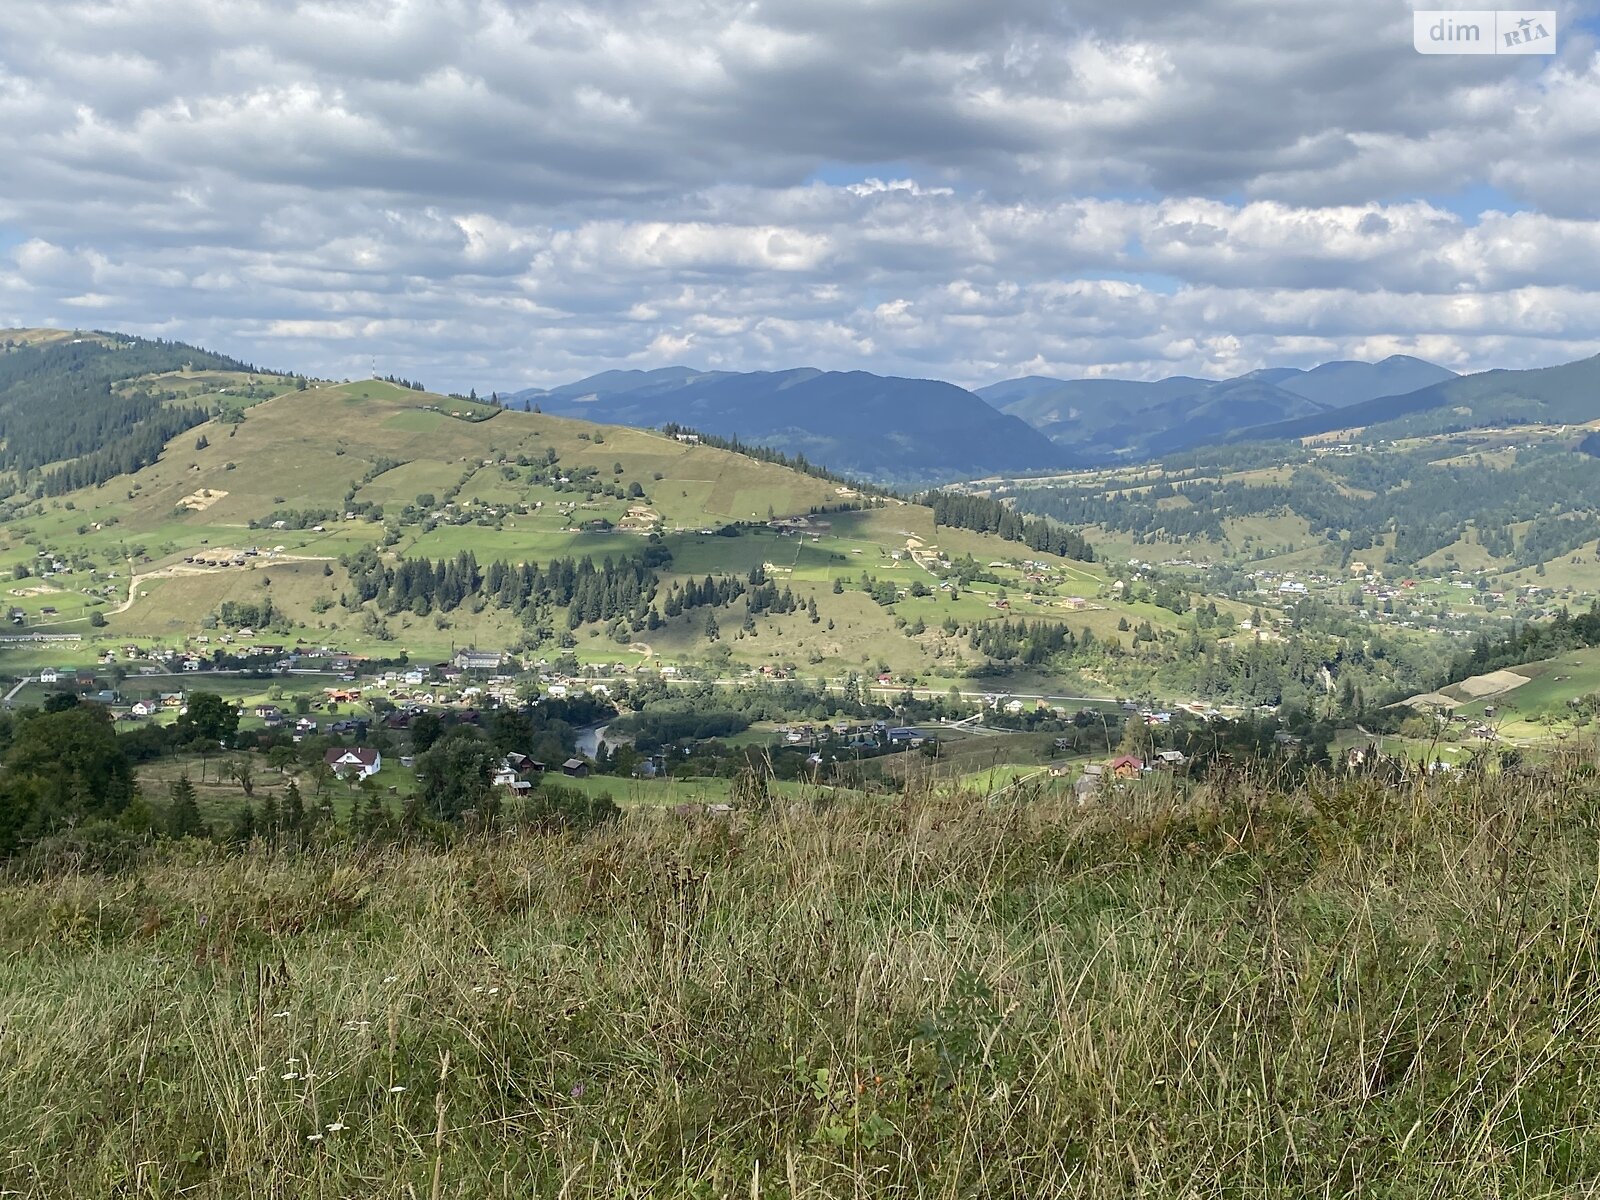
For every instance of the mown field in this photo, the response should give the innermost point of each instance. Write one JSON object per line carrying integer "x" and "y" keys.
{"x": 1354, "y": 989}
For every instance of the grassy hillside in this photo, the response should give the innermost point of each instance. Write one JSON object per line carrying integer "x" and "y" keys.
{"x": 306, "y": 477}
{"x": 1350, "y": 990}
{"x": 1514, "y": 505}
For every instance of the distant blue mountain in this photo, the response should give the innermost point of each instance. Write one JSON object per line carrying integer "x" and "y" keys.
{"x": 883, "y": 428}
{"x": 1101, "y": 420}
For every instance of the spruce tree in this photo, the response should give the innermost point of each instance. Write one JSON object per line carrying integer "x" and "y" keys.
{"x": 270, "y": 818}
{"x": 183, "y": 817}
{"x": 294, "y": 813}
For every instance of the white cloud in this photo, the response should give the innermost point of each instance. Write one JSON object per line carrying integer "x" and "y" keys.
{"x": 485, "y": 193}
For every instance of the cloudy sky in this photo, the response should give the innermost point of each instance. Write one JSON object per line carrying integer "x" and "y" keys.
{"x": 498, "y": 194}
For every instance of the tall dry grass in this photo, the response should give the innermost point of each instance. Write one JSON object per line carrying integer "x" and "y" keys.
{"x": 1345, "y": 988}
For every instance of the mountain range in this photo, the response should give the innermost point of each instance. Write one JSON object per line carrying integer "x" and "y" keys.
{"x": 1101, "y": 420}
{"x": 1563, "y": 395}
{"x": 884, "y": 428}
{"x": 897, "y": 430}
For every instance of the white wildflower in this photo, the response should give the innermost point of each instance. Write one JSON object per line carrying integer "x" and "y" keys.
{"x": 336, "y": 1127}
{"x": 313, "y": 1137}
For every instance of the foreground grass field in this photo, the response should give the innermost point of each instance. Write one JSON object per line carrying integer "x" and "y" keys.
{"x": 1348, "y": 989}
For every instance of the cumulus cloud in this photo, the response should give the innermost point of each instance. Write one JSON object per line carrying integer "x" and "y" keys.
{"x": 489, "y": 193}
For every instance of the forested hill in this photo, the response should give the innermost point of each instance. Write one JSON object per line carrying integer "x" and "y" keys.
{"x": 82, "y": 409}
{"x": 890, "y": 430}
{"x": 1564, "y": 394}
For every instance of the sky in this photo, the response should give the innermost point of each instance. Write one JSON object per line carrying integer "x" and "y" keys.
{"x": 497, "y": 195}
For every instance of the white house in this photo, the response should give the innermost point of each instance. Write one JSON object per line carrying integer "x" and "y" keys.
{"x": 356, "y": 762}
{"x": 49, "y": 675}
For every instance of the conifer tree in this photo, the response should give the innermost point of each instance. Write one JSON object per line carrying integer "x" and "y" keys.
{"x": 183, "y": 817}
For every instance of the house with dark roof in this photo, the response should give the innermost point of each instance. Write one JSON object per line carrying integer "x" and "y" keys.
{"x": 354, "y": 762}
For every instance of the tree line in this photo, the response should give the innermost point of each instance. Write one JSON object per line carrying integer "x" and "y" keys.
{"x": 615, "y": 588}
{"x": 71, "y": 400}
{"x": 982, "y": 514}
{"x": 795, "y": 462}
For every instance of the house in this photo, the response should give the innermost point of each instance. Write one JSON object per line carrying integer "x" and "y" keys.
{"x": 576, "y": 768}
{"x": 1170, "y": 759}
{"x": 1125, "y": 766}
{"x": 49, "y": 675}
{"x": 270, "y": 713}
{"x": 354, "y": 762}
{"x": 143, "y": 708}
{"x": 478, "y": 660}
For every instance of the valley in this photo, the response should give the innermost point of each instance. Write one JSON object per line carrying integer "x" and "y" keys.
{"x": 303, "y": 539}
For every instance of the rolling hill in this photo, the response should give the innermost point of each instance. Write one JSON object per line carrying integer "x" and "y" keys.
{"x": 89, "y": 405}
{"x": 384, "y": 519}
{"x": 886, "y": 429}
